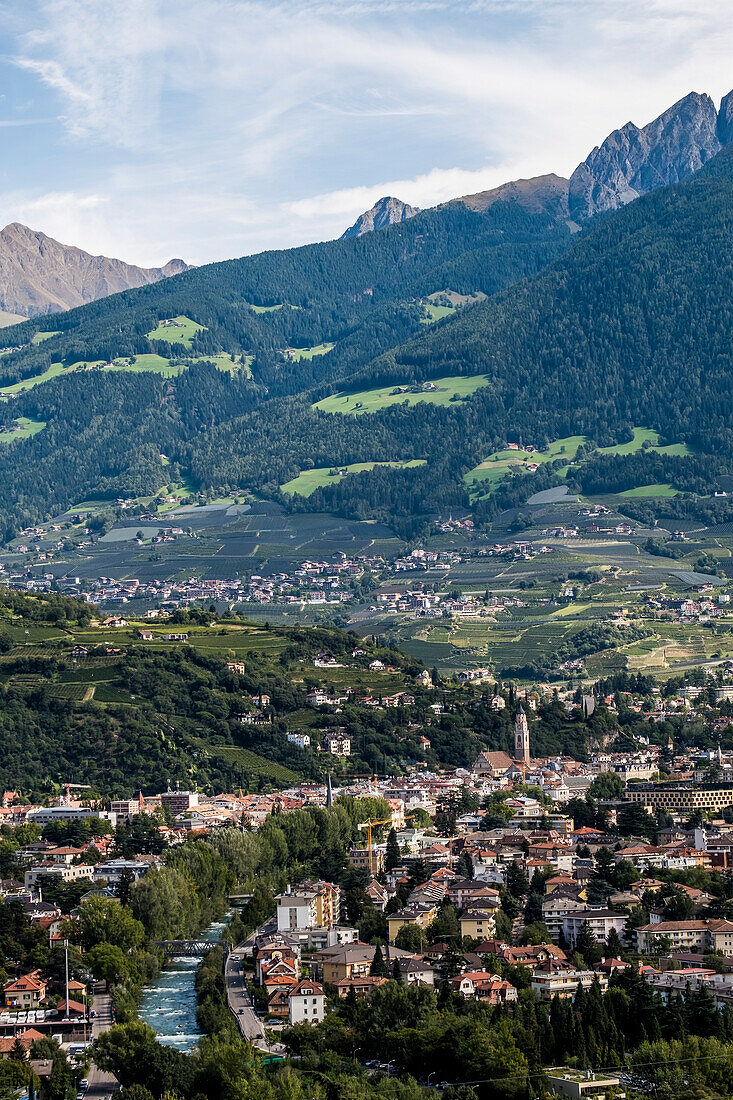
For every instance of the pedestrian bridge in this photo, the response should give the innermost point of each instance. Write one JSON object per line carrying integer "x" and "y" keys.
{"x": 189, "y": 949}
{"x": 238, "y": 901}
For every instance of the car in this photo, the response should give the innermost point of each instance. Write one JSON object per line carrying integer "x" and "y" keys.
{"x": 84, "y": 1083}
{"x": 241, "y": 1012}
{"x": 92, "y": 1014}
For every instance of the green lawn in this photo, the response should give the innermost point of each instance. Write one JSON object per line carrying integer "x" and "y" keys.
{"x": 308, "y": 353}
{"x": 498, "y": 465}
{"x": 265, "y": 309}
{"x": 181, "y": 332}
{"x": 645, "y": 435}
{"x": 435, "y": 313}
{"x": 657, "y": 490}
{"x": 370, "y": 401}
{"x": 310, "y": 480}
{"x": 158, "y": 364}
{"x": 489, "y": 472}
{"x": 41, "y": 336}
{"x": 28, "y": 383}
{"x": 27, "y": 427}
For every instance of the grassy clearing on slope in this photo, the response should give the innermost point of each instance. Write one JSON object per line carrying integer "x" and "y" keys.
{"x": 309, "y": 480}
{"x": 435, "y": 313}
{"x": 26, "y": 427}
{"x": 157, "y": 364}
{"x": 443, "y": 303}
{"x": 489, "y": 472}
{"x": 642, "y": 436}
{"x": 53, "y": 371}
{"x": 308, "y": 353}
{"x": 180, "y": 330}
{"x": 657, "y": 490}
{"x": 149, "y": 362}
{"x": 370, "y": 401}
{"x": 269, "y": 309}
{"x": 41, "y": 336}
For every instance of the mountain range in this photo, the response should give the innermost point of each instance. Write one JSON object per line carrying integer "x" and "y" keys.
{"x": 569, "y": 308}
{"x": 630, "y": 162}
{"x": 39, "y": 275}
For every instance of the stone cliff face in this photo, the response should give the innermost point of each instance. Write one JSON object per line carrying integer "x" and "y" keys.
{"x": 634, "y": 160}
{"x": 725, "y": 120}
{"x": 39, "y": 275}
{"x": 388, "y": 211}
{"x": 630, "y": 162}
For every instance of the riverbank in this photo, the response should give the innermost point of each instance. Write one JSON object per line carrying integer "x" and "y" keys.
{"x": 168, "y": 1003}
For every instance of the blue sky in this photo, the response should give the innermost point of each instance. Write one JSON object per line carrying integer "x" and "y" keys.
{"x": 206, "y": 129}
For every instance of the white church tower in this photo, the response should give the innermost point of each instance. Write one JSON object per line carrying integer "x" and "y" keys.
{"x": 521, "y": 738}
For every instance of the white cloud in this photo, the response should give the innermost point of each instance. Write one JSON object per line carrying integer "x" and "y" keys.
{"x": 217, "y": 127}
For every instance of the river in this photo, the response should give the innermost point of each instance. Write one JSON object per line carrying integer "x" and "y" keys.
{"x": 169, "y": 1003}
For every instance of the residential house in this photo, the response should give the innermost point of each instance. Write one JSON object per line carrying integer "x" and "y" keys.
{"x": 485, "y": 987}
{"x": 306, "y": 1003}
{"x": 553, "y": 979}
{"x": 26, "y": 992}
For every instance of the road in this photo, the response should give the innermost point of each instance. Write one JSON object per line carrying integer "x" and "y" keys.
{"x": 101, "y": 1084}
{"x": 240, "y": 1002}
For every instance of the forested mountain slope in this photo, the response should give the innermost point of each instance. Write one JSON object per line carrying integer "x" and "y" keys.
{"x": 626, "y": 323}
{"x": 631, "y": 326}
{"x": 106, "y": 429}
{"x": 356, "y": 293}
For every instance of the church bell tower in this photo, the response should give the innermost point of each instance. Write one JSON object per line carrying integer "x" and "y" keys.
{"x": 521, "y": 738}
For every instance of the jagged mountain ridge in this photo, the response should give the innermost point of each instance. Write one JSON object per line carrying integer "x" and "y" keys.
{"x": 632, "y": 161}
{"x": 40, "y": 275}
{"x": 387, "y": 211}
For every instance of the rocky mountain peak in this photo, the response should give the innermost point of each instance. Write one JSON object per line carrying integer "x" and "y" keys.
{"x": 634, "y": 160}
{"x": 725, "y": 120}
{"x": 387, "y": 211}
{"x": 40, "y": 275}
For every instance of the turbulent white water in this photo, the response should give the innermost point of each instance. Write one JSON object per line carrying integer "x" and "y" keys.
{"x": 169, "y": 1002}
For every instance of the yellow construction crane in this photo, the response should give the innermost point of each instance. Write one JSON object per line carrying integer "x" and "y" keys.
{"x": 369, "y": 825}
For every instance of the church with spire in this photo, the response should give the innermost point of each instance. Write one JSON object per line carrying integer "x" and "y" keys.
{"x": 521, "y": 738}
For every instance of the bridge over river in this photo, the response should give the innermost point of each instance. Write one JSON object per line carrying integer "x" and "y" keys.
{"x": 189, "y": 949}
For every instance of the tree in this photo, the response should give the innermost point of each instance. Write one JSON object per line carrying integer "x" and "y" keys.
{"x": 587, "y": 945}
{"x": 503, "y": 927}
{"x": 607, "y": 785}
{"x": 625, "y": 874}
{"x": 534, "y": 933}
{"x": 104, "y": 920}
{"x": 378, "y": 969}
{"x": 516, "y": 880}
{"x": 411, "y": 937}
{"x": 18, "y": 1052}
{"x": 108, "y": 962}
{"x": 605, "y": 864}
{"x": 393, "y": 855}
{"x": 464, "y": 866}
{"x": 635, "y": 820}
{"x": 132, "y": 1052}
{"x": 614, "y": 945}
{"x": 678, "y": 906}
